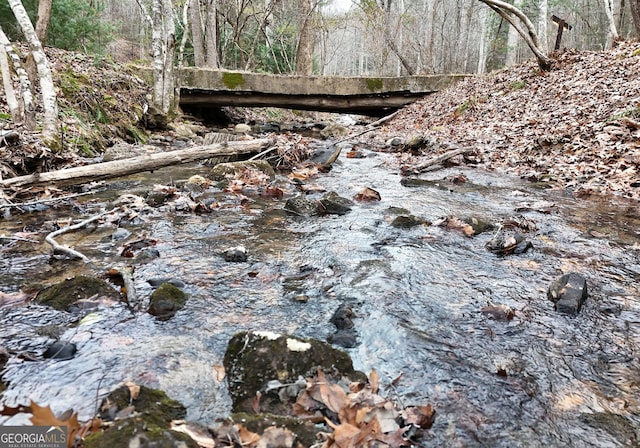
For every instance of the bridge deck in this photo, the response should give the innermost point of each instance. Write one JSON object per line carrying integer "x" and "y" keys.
{"x": 203, "y": 88}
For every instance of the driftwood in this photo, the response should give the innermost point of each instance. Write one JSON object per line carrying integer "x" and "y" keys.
{"x": 441, "y": 158}
{"x": 117, "y": 168}
{"x": 60, "y": 249}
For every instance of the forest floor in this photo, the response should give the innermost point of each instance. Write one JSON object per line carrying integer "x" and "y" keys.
{"x": 576, "y": 127}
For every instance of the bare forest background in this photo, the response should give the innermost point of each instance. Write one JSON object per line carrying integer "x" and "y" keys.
{"x": 330, "y": 37}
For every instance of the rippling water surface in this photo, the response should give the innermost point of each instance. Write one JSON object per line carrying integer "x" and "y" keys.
{"x": 539, "y": 379}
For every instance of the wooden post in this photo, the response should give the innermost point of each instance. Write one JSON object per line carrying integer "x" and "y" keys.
{"x": 562, "y": 25}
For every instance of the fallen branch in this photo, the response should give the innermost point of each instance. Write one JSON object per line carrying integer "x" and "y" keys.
{"x": 149, "y": 162}
{"x": 44, "y": 201}
{"x": 370, "y": 128}
{"x": 441, "y": 158}
{"x": 58, "y": 248}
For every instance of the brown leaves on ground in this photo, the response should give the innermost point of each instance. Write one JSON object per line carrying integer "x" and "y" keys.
{"x": 576, "y": 127}
{"x": 359, "y": 417}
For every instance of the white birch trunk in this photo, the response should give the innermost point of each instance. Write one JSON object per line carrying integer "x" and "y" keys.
{"x": 543, "y": 25}
{"x": 15, "y": 106}
{"x": 613, "y": 30}
{"x": 211, "y": 34}
{"x": 163, "y": 41}
{"x": 47, "y": 89}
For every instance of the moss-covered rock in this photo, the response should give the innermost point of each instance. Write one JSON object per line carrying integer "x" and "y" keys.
{"x": 223, "y": 170}
{"x": 166, "y": 301}
{"x": 305, "y": 431}
{"x": 333, "y": 204}
{"x": 254, "y": 359}
{"x": 408, "y": 221}
{"x": 136, "y": 431}
{"x": 69, "y": 294}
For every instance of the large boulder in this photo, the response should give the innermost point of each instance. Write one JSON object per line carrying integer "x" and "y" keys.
{"x": 77, "y": 293}
{"x": 568, "y": 292}
{"x": 275, "y": 365}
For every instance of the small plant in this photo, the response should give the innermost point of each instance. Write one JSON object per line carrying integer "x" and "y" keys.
{"x": 517, "y": 85}
{"x": 470, "y": 104}
{"x": 633, "y": 112}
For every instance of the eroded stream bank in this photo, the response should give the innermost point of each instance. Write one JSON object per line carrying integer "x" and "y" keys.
{"x": 418, "y": 294}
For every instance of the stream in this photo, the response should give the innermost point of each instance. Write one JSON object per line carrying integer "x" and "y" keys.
{"x": 540, "y": 379}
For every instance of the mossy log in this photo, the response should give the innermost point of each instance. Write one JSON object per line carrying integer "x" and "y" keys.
{"x": 117, "y": 168}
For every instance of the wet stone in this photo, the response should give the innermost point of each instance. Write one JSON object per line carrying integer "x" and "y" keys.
{"x": 235, "y": 254}
{"x": 223, "y": 170}
{"x": 506, "y": 243}
{"x": 61, "y": 350}
{"x": 333, "y": 204}
{"x": 166, "y": 301}
{"x": 253, "y": 360}
{"x": 79, "y": 292}
{"x": 120, "y": 234}
{"x": 408, "y": 221}
{"x": 301, "y": 207}
{"x": 568, "y": 292}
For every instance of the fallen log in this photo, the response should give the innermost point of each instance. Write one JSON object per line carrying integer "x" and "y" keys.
{"x": 149, "y": 162}
{"x": 440, "y": 158}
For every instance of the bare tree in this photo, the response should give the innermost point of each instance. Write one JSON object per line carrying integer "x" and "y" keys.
{"x": 204, "y": 32}
{"x": 304, "y": 50}
{"x": 525, "y": 28}
{"x": 163, "y": 46}
{"x": 44, "y": 17}
{"x": 635, "y": 13}
{"x": 613, "y": 29}
{"x": 47, "y": 89}
{"x": 7, "y": 83}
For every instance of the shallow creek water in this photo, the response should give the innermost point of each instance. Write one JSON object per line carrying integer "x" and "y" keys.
{"x": 417, "y": 293}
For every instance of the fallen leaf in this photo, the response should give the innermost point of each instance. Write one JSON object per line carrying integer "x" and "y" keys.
{"x": 247, "y": 437}
{"x": 43, "y": 416}
{"x": 374, "y": 381}
{"x": 333, "y": 396}
{"x": 368, "y": 194}
{"x": 421, "y": 416}
{"x": 134, "y": 389}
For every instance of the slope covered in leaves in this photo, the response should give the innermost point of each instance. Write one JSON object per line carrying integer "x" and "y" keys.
{"x": 576, "y": 126}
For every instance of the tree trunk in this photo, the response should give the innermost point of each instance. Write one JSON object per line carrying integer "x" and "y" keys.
{"x": 163, "y": 44}
{"x": 483, "y": 53}
{"x": 304, "y": 50}
{"x": 512, "y": 41}
{"x": 543, "y": 25}
{"x": 117, "y": 168}
{"x": 517, "y": 19}
{"x": 47, "y": 89}
{"x": 635, "y": 13}
{"x": 613, "y": 30}
{"x": 44, "y": 16}
{"x": 16, "y": 109}
{"x": 211, "y": 34}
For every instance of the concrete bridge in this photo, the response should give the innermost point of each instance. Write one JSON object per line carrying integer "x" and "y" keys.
{"x": 203, "y": 89}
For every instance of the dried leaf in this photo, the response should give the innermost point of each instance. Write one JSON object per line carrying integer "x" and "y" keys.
{"x": 499, "y": 312}
{"x": 247, "y": 437}
{"x": 421, "y": 416}
{"x": 43, "y": 416}
{"x": 134, "y": 390}
{"x": 199, "y": 435}
{"x": 333, "y": 396}
{"x": 374, "y": 381}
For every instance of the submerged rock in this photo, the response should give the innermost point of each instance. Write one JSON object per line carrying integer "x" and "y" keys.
{"x": 505, "y": 243}
{"x": 326, "y": 156}
{"x": 568, "y": 292}
{"x": 79, "y": 292}
{"x": 255, "y": 361}
{"x": 166, "y": 301}
{"x": 235, "y": 254}
{"x": 408, "y": 221}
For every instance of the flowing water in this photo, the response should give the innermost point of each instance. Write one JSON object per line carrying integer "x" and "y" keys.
{"x": 539, "y": 379}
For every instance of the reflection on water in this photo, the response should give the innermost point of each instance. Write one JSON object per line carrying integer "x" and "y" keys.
{"x": 539, "y": 379}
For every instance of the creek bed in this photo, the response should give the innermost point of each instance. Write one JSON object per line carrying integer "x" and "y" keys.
{"x": 539, "y": 379}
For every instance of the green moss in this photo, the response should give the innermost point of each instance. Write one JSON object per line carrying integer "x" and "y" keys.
{"x": 138, "y": 135}
{"x": 232, "y": 80}
{"x": 138, "y": 431}
{"x": 633, "y": 112}
{"x": 166, "y": 301}
{"x": 5, "y": 117}
{"x": 154, "y": 404}
{"x": 374, "y": 84}
{"x": 65, "y": 294}
{"x": 517, "y": 85}
{"x": 636, "y": 52}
